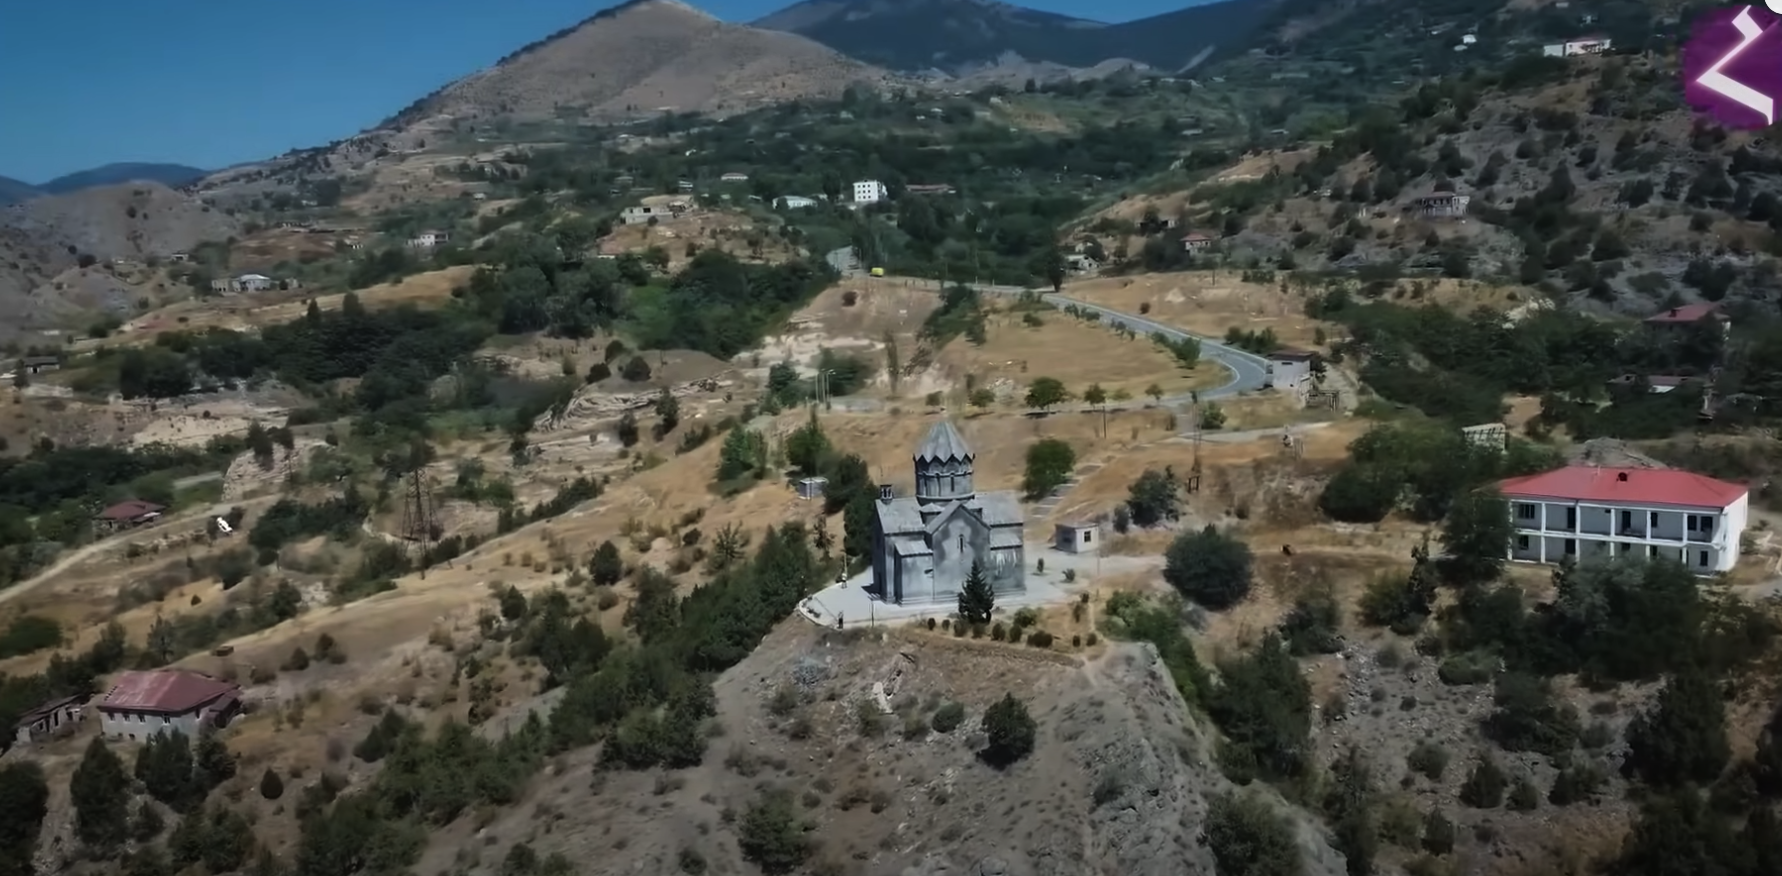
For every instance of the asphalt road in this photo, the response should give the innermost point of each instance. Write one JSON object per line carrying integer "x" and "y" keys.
{"x": 1249, "y": 372}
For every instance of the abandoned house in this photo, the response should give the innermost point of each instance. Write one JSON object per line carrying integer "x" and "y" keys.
{"x": 1443, "y": 205}
{"x": 54, "y": 718}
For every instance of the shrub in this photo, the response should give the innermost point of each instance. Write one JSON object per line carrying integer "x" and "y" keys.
{"x": 1010, "y": 731}
{"x": 1209, "y": 567}
{"x": 770, "y": 834}
{"x": 1248, "y": 836}
{"x": 947, "y": 718}
{"x": 1484, "y": 787}
{"x": 1429, "y": 759}
{"x": 1040, "y": 639}
{"x": 271, "y": 786}
{"x": 998, "y": 632}
{"x": 1524, "y": 797}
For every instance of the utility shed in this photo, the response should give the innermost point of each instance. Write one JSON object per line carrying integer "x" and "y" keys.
{"x": 811, "y": 488}
{"x": 1075, "y": 538}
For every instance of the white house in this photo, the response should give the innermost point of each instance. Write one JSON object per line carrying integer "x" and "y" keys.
{"x": 794, "y": 202}
{"x": 1289, "y": 369}
{"x": 870, "y": 191}
{"x": 1589, "y": 45}
{"x": 429, "y": 239}
{"x": 1584, "y": 511}
{"x": 733, "y": 177}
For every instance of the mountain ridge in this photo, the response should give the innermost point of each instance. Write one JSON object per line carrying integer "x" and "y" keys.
{"x": 956, "y": 36}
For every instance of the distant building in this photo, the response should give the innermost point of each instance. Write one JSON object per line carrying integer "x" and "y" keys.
{"x": 53, "y": 718}
{"x": 1690, "y": 314}
{"x": 925, "y": 545}
{"x": 1580, "y": 512}
{"x": 794, "y": 202}
{"x": 1443, "y": 205}
{"x": 684, "y": 185}
{"x": 870, "y": 191}
{"x": 1655, "y": 383}
{"x": 1196, "y": 242}
{"x": 929, "y": 189}
{"x": 643, "y": 214}
{"x": 1492, "y": 435}
{"x": 429, "y": 239}
{"x": 1080, "y": 263}
{"x": 142, "y": 704}
{"x": 734, "y": 178}
{"x": 38, "y": 364}
{"x": 1595, "y": 44}
{"x": 128, "y": 514}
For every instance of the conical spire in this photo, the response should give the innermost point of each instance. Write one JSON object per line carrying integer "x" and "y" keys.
{"x": 944, "y": 443}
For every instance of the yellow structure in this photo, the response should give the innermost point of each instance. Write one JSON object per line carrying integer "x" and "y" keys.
{"x": 878, "y": 272}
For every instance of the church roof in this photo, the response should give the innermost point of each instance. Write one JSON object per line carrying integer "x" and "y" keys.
{"x": 943, "y": 443}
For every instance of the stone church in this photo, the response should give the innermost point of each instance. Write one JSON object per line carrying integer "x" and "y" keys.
{"x": 924, "y": 545}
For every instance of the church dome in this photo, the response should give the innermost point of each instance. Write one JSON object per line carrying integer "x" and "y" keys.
{"x": 944, "y": 466}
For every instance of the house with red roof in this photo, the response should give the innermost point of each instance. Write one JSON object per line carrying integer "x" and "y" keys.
{"x": 128, "y": 514}
{"x": 141, "y": 704}
{"x": 1582, "y": 512}
{"x": 1685, "y": 315}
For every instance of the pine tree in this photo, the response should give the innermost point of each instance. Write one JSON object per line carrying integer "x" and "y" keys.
{"x": 606, "y": 568}
{"x": 271, "y": 786}
{"x": 1485, "y": 785}
{"x": 1009, "y": 730}
{"x": 1349, "y": 810}
{"x": 977, "y": 599}
{"x": 101, "y": 812}
{"x": 1682, "y": 738}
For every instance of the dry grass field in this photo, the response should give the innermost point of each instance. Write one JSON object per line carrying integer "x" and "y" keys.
{"x": 253, "y": 310}
{"x": 1075, "y": 352}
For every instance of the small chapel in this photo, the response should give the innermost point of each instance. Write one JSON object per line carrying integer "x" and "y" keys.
{"x": 924, "y": 545}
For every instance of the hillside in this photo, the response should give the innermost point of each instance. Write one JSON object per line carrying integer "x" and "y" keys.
{"x": 1584, "y": 176}
{"x": 959, "y": 36}
{"x": 642, "y": 57}
{"x": 13, "y": 191}
{"x": 48, "y": 246}
{"x": 171, "y": 175}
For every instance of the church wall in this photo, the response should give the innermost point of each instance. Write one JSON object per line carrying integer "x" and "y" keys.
{"x": 1007, "y": 569}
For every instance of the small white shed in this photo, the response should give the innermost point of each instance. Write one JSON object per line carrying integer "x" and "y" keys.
{"x": 811, "y": 488}
{"x": 1076, "y": 538}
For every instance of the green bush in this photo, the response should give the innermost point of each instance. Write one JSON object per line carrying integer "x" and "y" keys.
{"x": 947, "y": 718}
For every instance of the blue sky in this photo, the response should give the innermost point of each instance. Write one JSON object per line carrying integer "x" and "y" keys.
{"x": 218, "y": 82}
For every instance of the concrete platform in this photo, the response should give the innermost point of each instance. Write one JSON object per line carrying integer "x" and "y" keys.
{"x": 850, "y": 604}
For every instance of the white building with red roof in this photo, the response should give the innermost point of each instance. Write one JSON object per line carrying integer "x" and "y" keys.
{"x": 141, "y": 704}
{"x": 1585, "y": 512}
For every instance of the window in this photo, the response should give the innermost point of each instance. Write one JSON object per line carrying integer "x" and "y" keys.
{"x": 1651, "y": 550}
{"x": 962, "y": 541}
{"x": 1522, "y": 542}
{"x": 1654, "y": 520}
{"x": 1088, "y": 537}
{"x": 1701, "y": 558}
{"x": 1571, "y": 547}
{"x": 1525, "y": 511}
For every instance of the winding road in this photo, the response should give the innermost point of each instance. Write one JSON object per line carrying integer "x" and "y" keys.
{"x": 1249, "y": 372}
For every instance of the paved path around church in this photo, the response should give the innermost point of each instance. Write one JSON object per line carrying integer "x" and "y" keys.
{"x": 849, "y": 604}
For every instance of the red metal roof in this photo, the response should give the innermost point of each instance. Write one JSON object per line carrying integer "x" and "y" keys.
{"x": 1686, "y": 313}
{"x": 165, "y": 690}
{"x": 130, "y": 510}
{"x": 1636, "y": 486}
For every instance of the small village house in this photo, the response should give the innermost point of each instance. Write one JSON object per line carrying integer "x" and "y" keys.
{"x": 794, "y": 202}
{"x": 1655, "y": 383}
{"x": 1442, "y": 205}
{"x": 1289, "y": 368}
{"x": 1196, "y": 242}
{"x": 1076, "y": 538}
{"x": 641, "y": 215}
{"x": 429, "y": 239}
{"x": 128, "y": 514}
{"x": 1594, "y": 44}
{"x": 1579, "y": 512}
{"x": 38, "y": 364}
{"x": 1493, "y": 436}
{"x": 54, "y": 718}
{"x": 929, "y": 189}
{"x": 1688, "y": 315}
{"x": 141, "y": 704}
